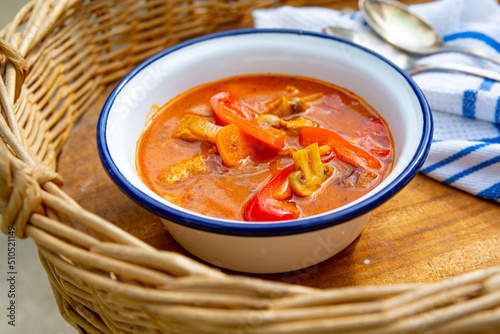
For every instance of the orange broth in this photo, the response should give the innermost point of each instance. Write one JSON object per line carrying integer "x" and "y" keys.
{"x": 223, "y": 191}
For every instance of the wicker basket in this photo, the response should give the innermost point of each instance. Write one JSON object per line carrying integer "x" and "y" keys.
{"x": 56, "y": 58}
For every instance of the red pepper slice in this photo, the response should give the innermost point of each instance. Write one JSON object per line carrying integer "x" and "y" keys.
{"x": 271, "y": 202}
{"x": 225, "y": 104}
{"x": 344, "y": 149}
{"x": 229, "y": 110}
{"x": 369, "y": 144}
{"x": 370, "y": 129}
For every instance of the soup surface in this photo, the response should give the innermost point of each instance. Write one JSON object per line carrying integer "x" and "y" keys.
{"x": 264, "y": 147}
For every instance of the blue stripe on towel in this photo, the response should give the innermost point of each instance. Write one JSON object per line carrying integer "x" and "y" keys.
{"x": 473, "y": 169}
{"x": 486, "y": 85}
{"x": 494, "y": 140}
{"x": 470, "y": 98}
{"x": 492, "y": 192}
{"x": 452, "y": 158}
{"x": 469, "y": 103}
{"x": 475, "y": 35}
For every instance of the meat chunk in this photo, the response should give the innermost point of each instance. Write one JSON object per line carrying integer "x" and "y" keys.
{"x": 184, "y": 170}
{"x": 196, "y": 128}
{"x": 360, "y": 179}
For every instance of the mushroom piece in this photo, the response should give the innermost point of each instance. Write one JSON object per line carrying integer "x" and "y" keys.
{"x": 292, "y": 126}
{"x": 310, "y": 172}
{"x": 284, "y": 106}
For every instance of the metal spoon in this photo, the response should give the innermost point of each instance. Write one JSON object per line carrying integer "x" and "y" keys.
{"x": 401, "y": 59}
{"x": 398, "y": 26}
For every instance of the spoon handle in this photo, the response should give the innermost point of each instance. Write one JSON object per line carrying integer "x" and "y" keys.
{"x": 458, "y": 68}
{"x": 469, "y": 51}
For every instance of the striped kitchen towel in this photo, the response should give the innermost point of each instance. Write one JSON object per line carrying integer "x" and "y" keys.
{"x": 465, "y": 152}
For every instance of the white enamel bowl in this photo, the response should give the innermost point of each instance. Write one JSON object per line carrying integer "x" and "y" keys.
{"x": 275, "y": 246}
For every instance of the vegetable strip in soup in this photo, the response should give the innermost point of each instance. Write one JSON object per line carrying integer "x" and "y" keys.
{"x": 264, "y": 147}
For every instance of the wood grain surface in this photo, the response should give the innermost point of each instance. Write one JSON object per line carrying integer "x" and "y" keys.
{"x": 427, "y": 232}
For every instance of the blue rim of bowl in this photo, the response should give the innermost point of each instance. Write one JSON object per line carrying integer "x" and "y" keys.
{"x": 248, "y": 229}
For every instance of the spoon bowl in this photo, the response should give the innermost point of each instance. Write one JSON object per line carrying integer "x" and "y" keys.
{"x": 373, "y": 43}
{"x": 392, "y": 21}
{"x": 401, "y": 59}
